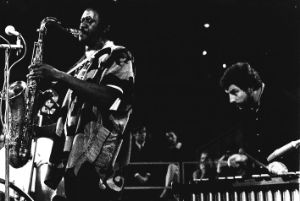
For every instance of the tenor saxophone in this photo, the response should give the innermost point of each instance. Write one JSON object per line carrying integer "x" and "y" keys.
{"x": 23, "y": 112}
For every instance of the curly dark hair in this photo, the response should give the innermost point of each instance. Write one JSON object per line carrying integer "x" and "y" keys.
{"x": 242, "y": 75}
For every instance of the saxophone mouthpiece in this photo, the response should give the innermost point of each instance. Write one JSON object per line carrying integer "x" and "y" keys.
{"x": 75, "y": 32}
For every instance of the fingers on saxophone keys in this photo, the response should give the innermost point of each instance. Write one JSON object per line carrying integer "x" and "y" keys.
{"x": 34, "y": 66}
{"x": 34, "y": 74}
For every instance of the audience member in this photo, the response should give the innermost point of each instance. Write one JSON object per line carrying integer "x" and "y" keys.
{"x": 206, "y": 168}
{"x": 172, "y": 152}
{"x": 139, "y": 174}
{"x": 172, "y": 149}
{"x": 141, "y": 149}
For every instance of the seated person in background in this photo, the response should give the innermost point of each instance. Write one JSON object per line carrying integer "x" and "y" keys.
{"x": 140, "y": 175}
{"x": 172, "y": 152}
{"x": 141, "y": 151}
{"x": 206, "y": 168}
{"x": 173, "y": 149}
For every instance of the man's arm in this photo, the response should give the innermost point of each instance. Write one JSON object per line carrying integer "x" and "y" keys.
{"x": 92, "y": 92}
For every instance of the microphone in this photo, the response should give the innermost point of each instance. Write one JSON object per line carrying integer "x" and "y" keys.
{"x": 283, "y": 149}
{"x": 11, "y": 31}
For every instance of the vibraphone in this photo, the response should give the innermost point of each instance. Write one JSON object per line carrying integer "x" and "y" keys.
{"x": 256, "y": 188}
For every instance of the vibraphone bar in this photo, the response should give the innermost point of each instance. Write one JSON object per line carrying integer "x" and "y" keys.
{"x": 256, "y": 188}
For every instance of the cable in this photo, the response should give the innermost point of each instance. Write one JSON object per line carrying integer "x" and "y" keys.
{"x": 24, "y": 53}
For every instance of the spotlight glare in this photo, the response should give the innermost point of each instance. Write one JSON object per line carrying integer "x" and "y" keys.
{"x": 206, "y": 25}
{"x": 204, "y": 52}
{"x": 224, "y": 65}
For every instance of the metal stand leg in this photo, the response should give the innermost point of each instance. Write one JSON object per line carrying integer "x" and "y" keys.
{"x": 6, "y": 125}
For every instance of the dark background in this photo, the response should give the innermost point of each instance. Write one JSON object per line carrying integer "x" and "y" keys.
{"x": 177, "y": 87}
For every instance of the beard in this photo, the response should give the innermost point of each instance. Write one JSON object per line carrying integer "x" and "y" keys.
{"x": 88, "y": 37}
{"x": 84, "y": 38}
{"x": 247, "y": 103}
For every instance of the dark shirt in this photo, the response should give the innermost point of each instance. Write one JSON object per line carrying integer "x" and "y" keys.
{"x": 269, "y": 127}
{"x": 139, "y": 155}
{"x": 172, "y": 154}
{"x": 209, "y": 173}
{"x": 142, "y": 154}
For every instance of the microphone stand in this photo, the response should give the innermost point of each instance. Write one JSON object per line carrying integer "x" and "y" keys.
{"x": 6, "y": 123}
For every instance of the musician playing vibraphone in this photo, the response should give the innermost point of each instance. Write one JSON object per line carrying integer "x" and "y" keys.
{"x": 267, "y": 119}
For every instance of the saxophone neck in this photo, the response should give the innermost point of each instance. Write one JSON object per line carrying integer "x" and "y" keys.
{"x": 43, "y": 27}
{"x": 46, "y": 21}
{"x": 38, "y": 46}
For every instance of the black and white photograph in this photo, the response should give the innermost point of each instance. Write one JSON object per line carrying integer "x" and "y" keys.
{"x": 128, "y": 100}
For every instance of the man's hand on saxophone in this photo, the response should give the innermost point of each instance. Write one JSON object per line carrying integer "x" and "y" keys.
{"x": 44, "y": 71}
{"x": 93, "y": 92}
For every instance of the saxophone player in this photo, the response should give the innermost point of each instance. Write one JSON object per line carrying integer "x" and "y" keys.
{"x": 97, "y": 108}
